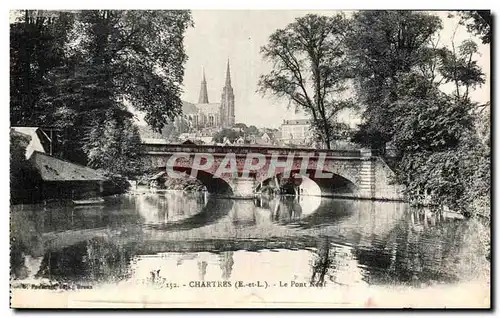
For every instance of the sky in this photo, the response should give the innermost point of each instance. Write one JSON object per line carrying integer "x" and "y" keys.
{"x": 238, "y": 36}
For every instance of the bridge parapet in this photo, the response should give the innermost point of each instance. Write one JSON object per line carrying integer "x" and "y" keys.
{"x": 157, "y": 148}
{"x": 360, "y": 171}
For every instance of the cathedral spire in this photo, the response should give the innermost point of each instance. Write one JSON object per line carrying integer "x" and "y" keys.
{"x": 227, "y": 102}
{"x": 203, "y": 99}
{"x": 228, "y": 75}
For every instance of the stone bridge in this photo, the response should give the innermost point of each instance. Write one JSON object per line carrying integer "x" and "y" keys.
{"x": 344, "y": 173}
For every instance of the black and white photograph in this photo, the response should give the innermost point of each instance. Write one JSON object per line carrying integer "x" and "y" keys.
{"x": 188, "y": 158}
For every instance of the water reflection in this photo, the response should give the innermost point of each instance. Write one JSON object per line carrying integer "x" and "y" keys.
{"x": 422, "y": 247}
{"x": 163, "y": 237}
{"x": 97, "y": 259}
{"x": 169, "y": 207}
{"x": 202, "y": 213}
{"x": 335, "y": 264}
{"x": 306, "y": 211}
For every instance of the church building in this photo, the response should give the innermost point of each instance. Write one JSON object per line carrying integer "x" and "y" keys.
{"x": 204, "y": 114}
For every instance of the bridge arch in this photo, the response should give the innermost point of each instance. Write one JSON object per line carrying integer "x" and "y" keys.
{"x": 335, "y": 185}
{"x": 213, "y": 185}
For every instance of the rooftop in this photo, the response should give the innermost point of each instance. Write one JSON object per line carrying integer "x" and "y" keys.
{"x": 36, "y": 143}
{"x": 54, "y": 169}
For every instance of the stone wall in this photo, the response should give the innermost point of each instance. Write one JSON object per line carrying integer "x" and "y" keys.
{"x": 369, "y": 174}
{"x": 385, "y": 187}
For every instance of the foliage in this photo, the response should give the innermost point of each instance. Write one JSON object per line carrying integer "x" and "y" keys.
{"x": 383, "y": 45}
{"x": 475, "y": 168}
{"x": 240, "y": 126}
{"x": 252, "y": 130}
{"x": 458, "y": 177}
{"x": 458, "y": 67}
{"x": 233, "y": 134}
{"x": 310, "y": 68}
{"x": 145, "y": 55}
{"x": 427, "y": 119}
{"x": 36, "y": 48}
{"x": 184, "y": 184}
{"x": 228, "y": 133}
{"x": 115, "y": 184}
{"x": 478, "y": 22}
{"x": 399, "y": 72}
{"x": 341, "y": 131}
{"x": 91, "y": 68}
{"x": 171, "y": 130}
{"x": 441, "y": 157}
{"x": 114, "y": 145}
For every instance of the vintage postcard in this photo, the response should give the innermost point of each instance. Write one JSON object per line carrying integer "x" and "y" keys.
{"x": 250, "y": 159}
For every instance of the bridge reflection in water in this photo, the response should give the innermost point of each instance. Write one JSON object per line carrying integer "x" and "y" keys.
{"x": 164, "y": 237}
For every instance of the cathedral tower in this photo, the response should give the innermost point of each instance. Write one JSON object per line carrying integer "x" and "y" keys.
{"x": 227, "y": 102}
{"x": 203, "y": 99}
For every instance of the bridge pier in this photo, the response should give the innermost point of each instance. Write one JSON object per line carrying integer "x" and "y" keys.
{"x": 243, "y": 188}
{"x": 367, "y": 175}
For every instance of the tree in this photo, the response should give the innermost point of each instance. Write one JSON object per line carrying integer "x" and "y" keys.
{"x": 228, "y": 133}
{"x": 459, "y": 67}
{"x": 112, "y": 62}
{"x": 309, "y": 68}
{"x": 400, "y": 72}
{"x": 114, "y": 145}
{"x": 172, "y": 130}
{"x": 383, "y": 45}
{"x": 441, "y": 156}
{"x": 37, "y": 42}
{"x": 428, "y": 129}
{"x": 478, "y": 22}
{"x": 241, "y": 126}
{"x": 251, "y": 130}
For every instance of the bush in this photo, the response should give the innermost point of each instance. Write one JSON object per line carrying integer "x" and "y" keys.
{"x": 115, "y": 184}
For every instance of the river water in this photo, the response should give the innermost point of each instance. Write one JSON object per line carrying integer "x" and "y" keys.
{"x": 173, "y": 240}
